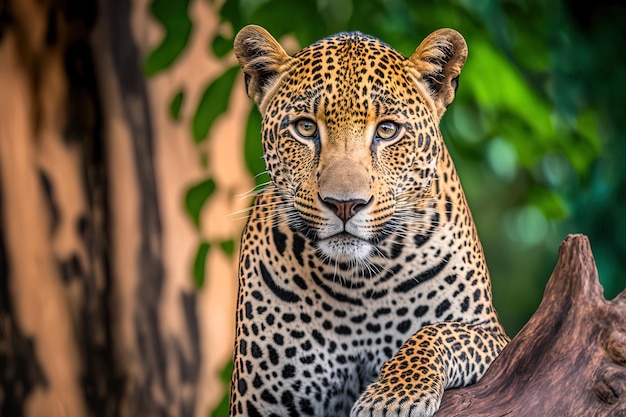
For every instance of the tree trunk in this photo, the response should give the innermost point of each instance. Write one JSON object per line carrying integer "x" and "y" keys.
{"x": 569, "y": 359}
{"x": 55, "y": 338}
{"x": 99, "y": 315}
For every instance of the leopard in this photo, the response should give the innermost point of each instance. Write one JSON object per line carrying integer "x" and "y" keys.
{"x": 363, "y": 288}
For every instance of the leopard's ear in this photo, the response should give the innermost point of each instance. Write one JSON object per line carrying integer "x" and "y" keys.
{"x": 439, "y": 60}
{"x": 262, "y": 59}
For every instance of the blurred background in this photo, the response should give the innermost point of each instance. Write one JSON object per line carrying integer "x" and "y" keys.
{"x": 127, "y": 145}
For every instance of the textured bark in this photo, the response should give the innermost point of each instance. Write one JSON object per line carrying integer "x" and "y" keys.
{"x": 99, "y": 315}
{"x": 80, "y": 334}
{"x": 55, "y": 339}
{"x": 569, "y": 359}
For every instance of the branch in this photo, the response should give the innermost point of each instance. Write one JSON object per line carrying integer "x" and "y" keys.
{"x": 569, "y": 359}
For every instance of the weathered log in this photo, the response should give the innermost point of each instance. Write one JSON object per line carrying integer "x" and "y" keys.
{"x": 569, "y": 359}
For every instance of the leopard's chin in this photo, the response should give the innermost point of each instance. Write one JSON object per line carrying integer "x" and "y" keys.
{"x": 346, "y": 248}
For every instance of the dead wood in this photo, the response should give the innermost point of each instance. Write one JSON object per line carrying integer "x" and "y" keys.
{"x": 569, "y": 359}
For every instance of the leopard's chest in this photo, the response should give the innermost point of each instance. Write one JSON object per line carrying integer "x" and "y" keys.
{"x": 314, "y": 326}
{"x": 321, "y": 312}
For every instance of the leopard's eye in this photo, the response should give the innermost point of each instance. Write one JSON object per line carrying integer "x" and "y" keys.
{"x": 387, "y": 130}
{"x": 306, "y": 128}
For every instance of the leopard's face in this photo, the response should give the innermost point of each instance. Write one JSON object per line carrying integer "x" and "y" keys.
{"x": 351, "y": 141}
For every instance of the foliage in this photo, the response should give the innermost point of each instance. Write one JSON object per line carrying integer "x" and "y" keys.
{"x": 177, "y": 25}
{"x": 535, "y": 131}
{"x": 222, "y": 408}
{"x": 196, "y": 197}
{"x": 199, "y": 264}
{"x": 213, "y": 103}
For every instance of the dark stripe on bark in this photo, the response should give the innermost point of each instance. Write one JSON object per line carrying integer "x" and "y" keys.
{"x": 154, "y": 394}
{"x": 20, "y": 371}
{"x": 102, "y": 380}
{"x": 150, "y": 272}
{"x": 189, "y": 369}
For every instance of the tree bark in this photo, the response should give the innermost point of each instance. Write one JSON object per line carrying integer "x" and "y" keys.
{"x": 569, "y": 359}
{"x": 99, "y": 313}
{"x": 54, "y": 339}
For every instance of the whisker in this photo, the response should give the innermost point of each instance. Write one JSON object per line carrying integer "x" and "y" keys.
{"x": 253, "y": 192}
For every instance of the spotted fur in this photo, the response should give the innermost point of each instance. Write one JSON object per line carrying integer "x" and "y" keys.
{"x": 363, "y": 288}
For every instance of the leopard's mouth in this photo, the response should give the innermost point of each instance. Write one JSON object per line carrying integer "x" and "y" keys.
{"x": 345, "y": 247}
{"x": 344, "y": 236}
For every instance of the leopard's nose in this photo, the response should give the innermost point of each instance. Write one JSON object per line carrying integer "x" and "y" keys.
{"x": 345, "y": 209}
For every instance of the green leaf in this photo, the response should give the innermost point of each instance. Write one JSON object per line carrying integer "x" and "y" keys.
{"x": 226, "y": 373}
{"x": 253, "y": 148}
{"x": 221, "y": 46}
{"x": 176, "y": 104}
{"x": 231, "y": 12}
{"x": 497, "y": 84}
{"x": 303, "y": 15}
{"x": 173, "y": 16}
{"x": 221, "y": 410}
{"x": 196, "y": 197}
{"x": 213, "y": 103}
{"x": 228, "y": 247}
{"x": 549, "y": 202}
{"x": 199, "y": 264}
{"x": 336, "y": 13}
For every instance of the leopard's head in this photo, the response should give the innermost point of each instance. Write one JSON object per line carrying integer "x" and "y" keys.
{"x": 351, "y": 132}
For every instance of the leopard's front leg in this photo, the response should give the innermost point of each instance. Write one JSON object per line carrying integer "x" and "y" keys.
{"x": 440, "y": 356}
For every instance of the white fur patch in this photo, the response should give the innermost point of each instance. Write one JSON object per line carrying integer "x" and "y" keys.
{"x": 344, "y": 247}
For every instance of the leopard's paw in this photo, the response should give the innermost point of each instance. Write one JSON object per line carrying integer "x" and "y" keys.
{"x": 381, "y": 400}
